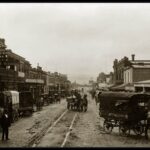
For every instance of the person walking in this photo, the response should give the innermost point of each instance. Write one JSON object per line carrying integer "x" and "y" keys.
{"x": 5, "y": 124}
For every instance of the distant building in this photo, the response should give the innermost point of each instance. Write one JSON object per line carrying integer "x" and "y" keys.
{"x": 125, "y": 68}
{"x": 127, "y": 72}
{"x": 138, "y": 71}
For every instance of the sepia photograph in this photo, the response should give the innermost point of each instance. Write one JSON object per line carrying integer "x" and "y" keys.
{"x": 74, "y": 75}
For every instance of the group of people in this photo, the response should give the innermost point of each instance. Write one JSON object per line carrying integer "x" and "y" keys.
{"x": 5, "y": 122}
{"x": 80, "y": 98}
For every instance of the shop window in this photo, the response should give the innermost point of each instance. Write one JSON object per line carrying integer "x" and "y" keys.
{"x": 139, "y": 89}
{"x": 147, "y": 89}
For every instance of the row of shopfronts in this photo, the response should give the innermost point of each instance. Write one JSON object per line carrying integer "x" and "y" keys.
{"x": 16, "y": 73}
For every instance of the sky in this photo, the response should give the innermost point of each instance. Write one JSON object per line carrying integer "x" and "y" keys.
{"x": 77, "y": 39}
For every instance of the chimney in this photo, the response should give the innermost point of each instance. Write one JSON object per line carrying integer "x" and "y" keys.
{"x": 133, "y": 56}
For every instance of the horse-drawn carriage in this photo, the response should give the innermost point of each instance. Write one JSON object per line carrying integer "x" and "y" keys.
{"x": 77, "y": 104}
{"x": 71, "y": 103}
{"x": 128, "y": 111}
{"x": 10, "y": 100}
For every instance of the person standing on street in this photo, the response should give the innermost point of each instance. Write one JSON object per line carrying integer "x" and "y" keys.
{"x": 5, "y": 124}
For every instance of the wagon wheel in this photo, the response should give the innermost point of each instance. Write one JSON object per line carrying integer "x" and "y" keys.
{"x": 123, "y": 130}
{"x": 138, "y": 129}
{"x": 107, "y": 127}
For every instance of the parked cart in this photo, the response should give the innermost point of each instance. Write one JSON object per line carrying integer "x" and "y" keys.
{"x": 10, "y": 100}
{"x": 128, "y": 111}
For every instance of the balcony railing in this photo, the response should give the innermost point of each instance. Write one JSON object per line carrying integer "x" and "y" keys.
{"x": 7, "y": 75}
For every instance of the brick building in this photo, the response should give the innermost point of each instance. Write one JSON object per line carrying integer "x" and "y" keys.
{"x": 16, "y": 73}
{"x": 127, "y": 72}
{"x": 58, "y": 82}
{"x": 12, "y": 68}
{"x": 137, "y": 72}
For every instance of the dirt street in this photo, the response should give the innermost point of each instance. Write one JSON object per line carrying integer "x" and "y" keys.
{"x": 88, "y": 132}
{"x": 25, "y": 129}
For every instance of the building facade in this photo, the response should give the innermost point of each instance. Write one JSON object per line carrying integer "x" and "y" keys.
{"x": 127, "y": 72}
{"x": 16, "y": 73}
{"x": 136, "y": 73}
{"x": 12, "y": 68}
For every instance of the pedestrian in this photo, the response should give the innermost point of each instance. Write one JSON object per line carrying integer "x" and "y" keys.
{"x": 85, "y": 100}
{"x": 42, "y": 101}
{"x": 5, "y": 124}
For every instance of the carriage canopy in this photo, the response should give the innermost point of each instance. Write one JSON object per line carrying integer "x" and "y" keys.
{"x": 122, "y": 101}
{"x": 123, "y": 97}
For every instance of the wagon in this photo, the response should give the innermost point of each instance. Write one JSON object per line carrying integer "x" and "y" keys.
{"x": 77, "y": 104}
{"x": 71, "y": 103}
{"x": 127, "y": 111}
{"x": 25, "y": 103}
{"x": 10, "y": 100}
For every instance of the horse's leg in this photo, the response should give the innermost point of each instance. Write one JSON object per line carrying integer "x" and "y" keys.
{"x": 146, "y": 131}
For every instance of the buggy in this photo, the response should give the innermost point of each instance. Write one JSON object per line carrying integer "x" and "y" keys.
{"x": 71, "y": 103}
{"x": 127, "y": 111}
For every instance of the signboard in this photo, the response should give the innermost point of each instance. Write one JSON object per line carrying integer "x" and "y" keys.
{"x": 21, "y": 74}
{"x": 34, "y": 81}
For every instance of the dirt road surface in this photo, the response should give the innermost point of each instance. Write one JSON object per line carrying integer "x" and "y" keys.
{"x": 25, "y": 129}
{"x": 86, "y": 130}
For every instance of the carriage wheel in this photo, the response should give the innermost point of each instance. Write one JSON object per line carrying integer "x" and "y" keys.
{"x": 123, "y": 130}
{"x": 138, "y": 129}
{"x": 107, "y": 127}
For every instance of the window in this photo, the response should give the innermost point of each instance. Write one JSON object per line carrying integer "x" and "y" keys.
{"x": 147, "y": 89}
{"x": 138, "y": 89}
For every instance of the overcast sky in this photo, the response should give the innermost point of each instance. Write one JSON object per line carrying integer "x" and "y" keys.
{"x": 80, "y": 40}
